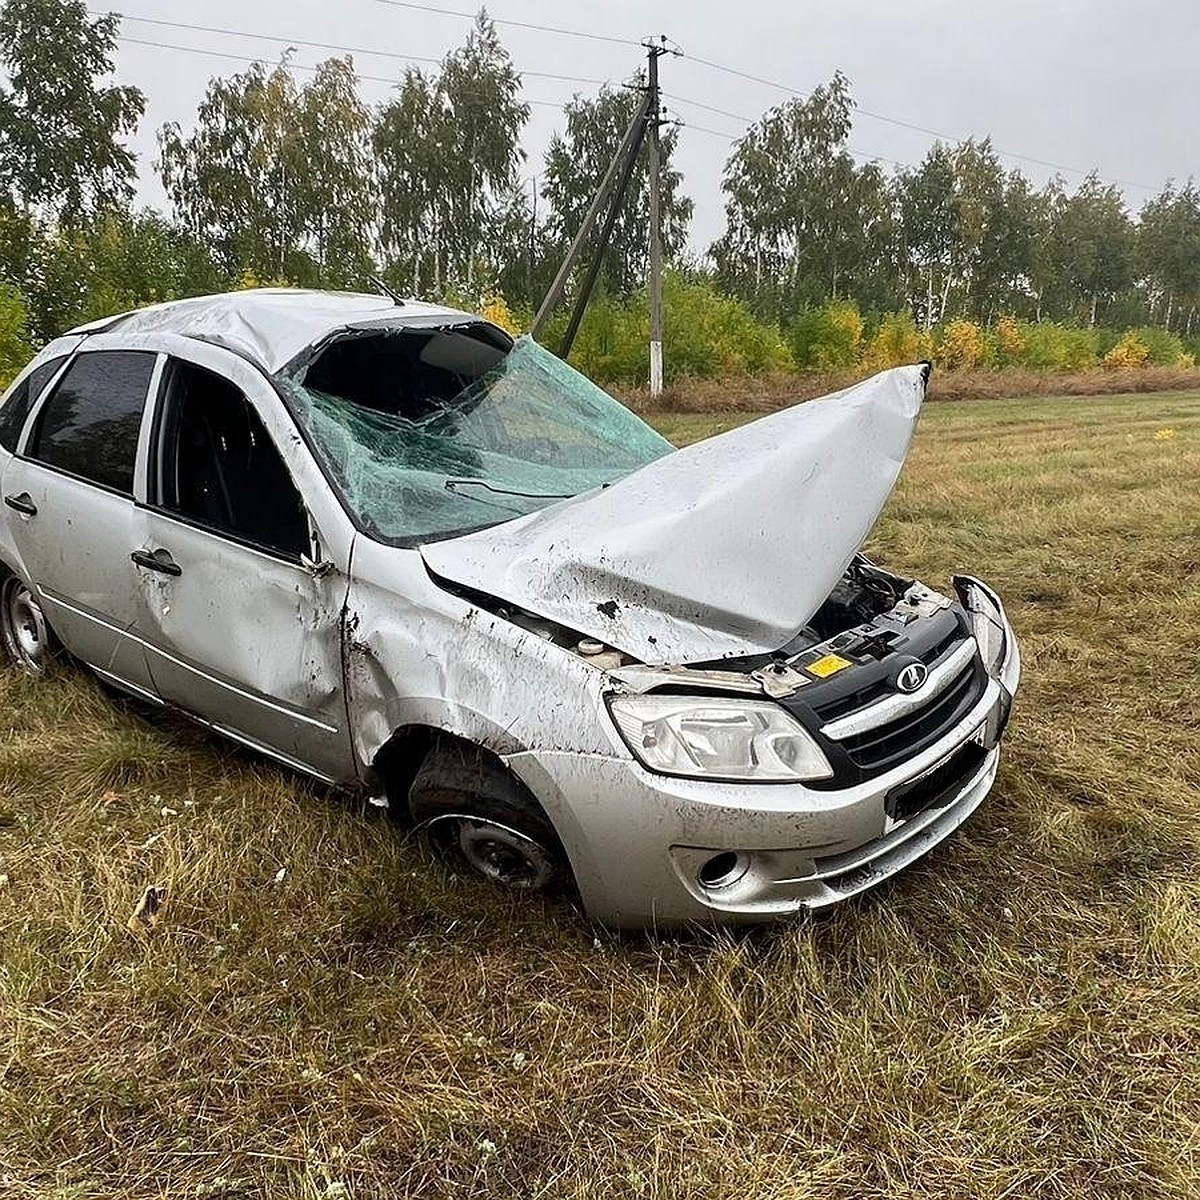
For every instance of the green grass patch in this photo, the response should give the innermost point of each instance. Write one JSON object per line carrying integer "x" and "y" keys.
{"x": 322, "y": 1012}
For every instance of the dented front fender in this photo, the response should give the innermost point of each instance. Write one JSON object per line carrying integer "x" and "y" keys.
{"x": 414, "y": 654}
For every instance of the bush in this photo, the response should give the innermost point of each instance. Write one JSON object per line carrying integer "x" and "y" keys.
{"x": 706, "y": 334}
{"x": 495, "y": 309}
{"x": 613, "y": 341}
{"x": 1164, "y": 349}
{"x": 1053, "y": 347}
{"x": 961, "y": 345}
{"x": 828, "y": 337}
{"x": 1129, "y": 353}
{"x": 897, "y": 342}
{"x": 15, "y": 343}
{"x": 1010, "y": 343}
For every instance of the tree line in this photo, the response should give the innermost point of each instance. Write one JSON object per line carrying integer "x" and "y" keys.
{"x": 304, "y": 183}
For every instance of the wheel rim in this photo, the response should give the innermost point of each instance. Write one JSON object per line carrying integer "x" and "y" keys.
{"x": 500, "y": 854}
{"x": 25, "y": 634}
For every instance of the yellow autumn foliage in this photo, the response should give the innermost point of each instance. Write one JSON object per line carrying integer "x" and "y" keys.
{"x": 1010, "y": 342}
{"x": 1129, "y": 353}
{"x": 961, "y": 345}
{"x": 496, "y": 309}
{"x": 250, "y": 280}
{"x": 897, "y": 342}
{"x": 846, "y": 323}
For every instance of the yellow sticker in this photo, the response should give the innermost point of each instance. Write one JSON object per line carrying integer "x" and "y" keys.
{"x": 831, "y": 664}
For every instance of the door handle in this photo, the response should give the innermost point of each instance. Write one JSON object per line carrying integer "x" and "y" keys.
{"x": 157, "y": 560}
{"x": 23, "y": 504}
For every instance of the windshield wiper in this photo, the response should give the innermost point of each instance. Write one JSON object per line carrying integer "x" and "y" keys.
{"x": 452, "y": 485}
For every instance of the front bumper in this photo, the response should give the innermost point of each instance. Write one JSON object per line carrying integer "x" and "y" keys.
{"x": 636, "y": 840}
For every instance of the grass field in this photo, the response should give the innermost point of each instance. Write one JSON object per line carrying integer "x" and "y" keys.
{"x": 321, "y": 1012}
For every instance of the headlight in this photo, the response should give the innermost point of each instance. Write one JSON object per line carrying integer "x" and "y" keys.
{"x": 718, "y": 738}
{"x": 987, "y": 624}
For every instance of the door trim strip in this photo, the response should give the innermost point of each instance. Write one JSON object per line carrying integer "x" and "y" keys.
{"x": 275, "y": 706}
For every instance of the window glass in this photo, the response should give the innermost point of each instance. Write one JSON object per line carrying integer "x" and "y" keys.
{"x": 12, "y": 418}
{"x": 89, "y": 426}
{"x": 429, "y": 434}
{"x": 219, "y": 468}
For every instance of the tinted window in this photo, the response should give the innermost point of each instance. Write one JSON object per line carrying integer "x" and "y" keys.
{"x": 219, "y": 468}
{"x": 89, "y": 426}
{"x": 12, "y": 419}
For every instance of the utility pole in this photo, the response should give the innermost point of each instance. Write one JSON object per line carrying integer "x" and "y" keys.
{"x": 630, "y": 144}
{"x": 614, "y": 210}
{"x": 611, "y": 195}
{"x": 656, "y": 317}
{"x": 532, "y": 233}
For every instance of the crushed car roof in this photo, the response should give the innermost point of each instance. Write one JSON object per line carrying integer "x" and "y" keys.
{"x": 270, "y": 326}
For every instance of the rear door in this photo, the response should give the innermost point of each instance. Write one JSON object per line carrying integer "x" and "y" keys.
{"x": 241, "y": 590}
{"x": 15, "y": 408}
{"x": 68, "y": 504}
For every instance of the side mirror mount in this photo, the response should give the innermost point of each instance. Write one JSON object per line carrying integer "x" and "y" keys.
{"x": 315, "y": 562}
{"x": 318, "y": 568}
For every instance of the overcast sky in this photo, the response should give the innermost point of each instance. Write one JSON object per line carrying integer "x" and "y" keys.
{"x": 1103, "y": 84}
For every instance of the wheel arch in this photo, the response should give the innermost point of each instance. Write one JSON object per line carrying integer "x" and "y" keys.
{"x": 401, "y": 757}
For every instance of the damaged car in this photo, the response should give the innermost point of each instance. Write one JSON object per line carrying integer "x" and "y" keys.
{"x": 396, "y": 549}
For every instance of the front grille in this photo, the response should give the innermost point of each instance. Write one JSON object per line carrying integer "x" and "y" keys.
{"x": 830, "y": 710}
{"x": 939, "y": 650}
{"x": 876, "y": 689}
{"x": 908, "y": 735}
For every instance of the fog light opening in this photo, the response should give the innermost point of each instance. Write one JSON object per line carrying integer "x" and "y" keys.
{"x": 723, "y": 870}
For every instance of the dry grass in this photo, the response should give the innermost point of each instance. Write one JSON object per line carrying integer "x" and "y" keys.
{"x": 768, "y": 393}
{"x": 1015, "y": 1016}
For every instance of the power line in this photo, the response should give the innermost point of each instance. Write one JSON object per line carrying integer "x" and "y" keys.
{"x": 576, "y": 33}
{"x": 772, "y": 83}
{"x": 864, "y": 155}
{"x": 944, "y": 137}
{"x": 470, "y": 16}
{"x": 294, "y": 41}
{"x": 249, "y": 58}
{"x": 720, "y": 112}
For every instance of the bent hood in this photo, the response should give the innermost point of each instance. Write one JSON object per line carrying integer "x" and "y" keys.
{"x": 723, "y": 549}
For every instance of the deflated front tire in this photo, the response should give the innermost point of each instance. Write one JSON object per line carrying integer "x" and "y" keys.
{"x": 475, "y": 813}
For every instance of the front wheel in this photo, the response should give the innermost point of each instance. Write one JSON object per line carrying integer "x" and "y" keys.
{"x": 476, "y": 814}
{"x": 25, "y": 635}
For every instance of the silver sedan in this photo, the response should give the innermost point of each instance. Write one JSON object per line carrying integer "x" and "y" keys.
{"x": 396, "y": 549}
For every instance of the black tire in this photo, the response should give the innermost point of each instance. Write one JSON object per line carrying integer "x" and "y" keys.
{"x": 26, "y": 640}
{"x": 476, "y": 814}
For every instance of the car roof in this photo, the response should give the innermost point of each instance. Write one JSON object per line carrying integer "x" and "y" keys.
{"x": 271, "y": 326}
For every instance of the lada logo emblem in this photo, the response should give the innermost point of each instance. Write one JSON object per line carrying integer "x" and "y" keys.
{"x": 912, "y": 678}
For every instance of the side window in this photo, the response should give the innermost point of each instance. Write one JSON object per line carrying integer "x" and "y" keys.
{"x": 16, "y": 409}
{"x": 218, "y": 467}
{"x": 89, "y": 426}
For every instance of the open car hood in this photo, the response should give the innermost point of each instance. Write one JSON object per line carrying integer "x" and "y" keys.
{"x": 723, "y": 549}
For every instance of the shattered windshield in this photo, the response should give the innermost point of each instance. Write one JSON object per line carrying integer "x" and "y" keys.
{"x": 433, "y": 433}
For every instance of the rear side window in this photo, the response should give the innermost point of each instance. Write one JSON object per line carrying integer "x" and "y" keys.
{"x": 89, "y": 426}
{"x": 12, "y": 417}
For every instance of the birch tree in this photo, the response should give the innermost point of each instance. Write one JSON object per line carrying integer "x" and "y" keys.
{"x": 449, "y": 161}
{"x": 62, "y": 153}
{"x": 799, "y": 212}
{"x": 277, "y": 180}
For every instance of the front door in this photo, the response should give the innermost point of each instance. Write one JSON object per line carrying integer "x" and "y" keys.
{"x": 240, "y": 621}
{"x": 69, "y": 506}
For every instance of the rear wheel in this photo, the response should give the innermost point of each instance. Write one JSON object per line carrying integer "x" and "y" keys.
{"x": 476, "y": 814}
{"x": 25, "y": 635}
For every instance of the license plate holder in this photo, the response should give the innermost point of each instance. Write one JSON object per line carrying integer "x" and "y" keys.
{"x": 938, "y": 786}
